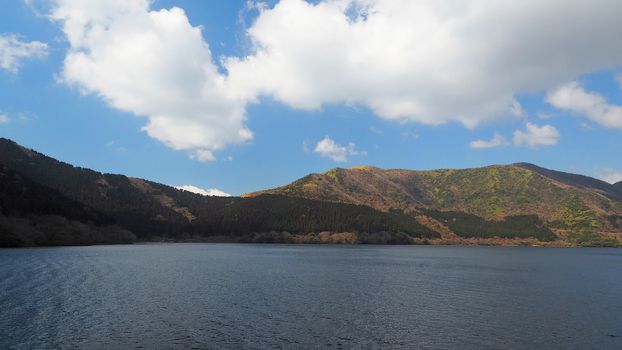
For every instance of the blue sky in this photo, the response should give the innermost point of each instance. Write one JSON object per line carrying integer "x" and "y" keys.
{"x": 570, "y": 120}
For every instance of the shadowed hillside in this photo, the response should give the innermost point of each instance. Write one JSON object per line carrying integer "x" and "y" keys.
{"x": 31, "y": 215}
{"x": 151, "y": 210}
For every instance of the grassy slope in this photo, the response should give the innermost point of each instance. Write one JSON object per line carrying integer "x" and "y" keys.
{"x": 493, "y": 193}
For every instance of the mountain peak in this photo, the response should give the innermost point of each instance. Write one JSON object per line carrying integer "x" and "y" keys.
{"x": 578, "y": 181}
{"x": 505, "y": 201}
{"x": 364, "y": 167}
{"x": 493, "y": 192}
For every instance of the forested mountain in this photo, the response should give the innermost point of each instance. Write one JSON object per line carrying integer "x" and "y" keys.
{"x": 32, "y": 214}
{"x": 19, "y": 196}
{"x": 141, "y": 206}
{"x": 480, "y": 199}
{"x": 151, "y": 210}
{"x": 48, "y": 202}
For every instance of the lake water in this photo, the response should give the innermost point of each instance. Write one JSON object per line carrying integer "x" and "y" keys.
{"x": 227, "y": 296}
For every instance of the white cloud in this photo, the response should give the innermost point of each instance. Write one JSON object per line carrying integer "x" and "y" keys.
{"x": 13, "y": 51}
{"x": 535, "y": 136}
{"x": 496, "y": 142}
{"x": 154, "y": 64}
{"x": 427, "y": 61}
{"x": 208, "y": 192}
{"x": 327, "y": 148}
{"x": 4, "y": 118}
{"x": 573, "y": 97}
{"x": 202, "y": 155}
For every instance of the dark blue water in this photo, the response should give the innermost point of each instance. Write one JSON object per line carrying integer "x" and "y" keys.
{"x": 277, "y": 296}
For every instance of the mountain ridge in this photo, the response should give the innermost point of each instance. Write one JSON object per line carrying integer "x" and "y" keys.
{"x": 498, "y": 204}
{"x": 32, "y": 214}
{"x": 564, "y": 201}
{"x": 581, "y": 181}
{"x": 149, "y": 209}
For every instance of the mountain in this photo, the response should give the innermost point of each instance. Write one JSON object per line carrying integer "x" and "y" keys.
{"x": 141, "y": 206}
{"x": 31, "y": 214}
{"x": 480, "y": 202}
{"x": 49, "y": 202}
{"x": 618, "y": 185}
{"x": 155, "y": 211}
{"x": 578, "y": 181}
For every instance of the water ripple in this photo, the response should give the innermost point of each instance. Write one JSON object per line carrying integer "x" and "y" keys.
{"x": 219, "y": 296}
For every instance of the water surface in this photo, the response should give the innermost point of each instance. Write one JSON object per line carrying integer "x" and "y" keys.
{"x": 221, "y": 296}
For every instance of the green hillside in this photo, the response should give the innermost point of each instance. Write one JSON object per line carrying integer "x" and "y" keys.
{"x": 57, "y": 203}
{"x": 32, "y": 215}
{"x": 563, "y": 202}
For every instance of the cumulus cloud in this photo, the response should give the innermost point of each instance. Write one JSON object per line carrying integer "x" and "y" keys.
{"x": 535, "y": 136}
{"x": 573, "y": 97}
{"x": 202, "y": 155}
{"x": 496, "y": 142}
{"x": 13, "y": 51}
{"x": 154, "y": 64}
{"x": 208, "y": 192}
{"x": 426, "y": 61}
{"x": 328, "y": 148}
{"x": 4, "y": 118}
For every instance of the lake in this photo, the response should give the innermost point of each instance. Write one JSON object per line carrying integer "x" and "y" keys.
{"x": 230, "y": 296}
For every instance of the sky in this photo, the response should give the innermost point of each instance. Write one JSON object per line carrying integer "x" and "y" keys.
{"x": 229, "y": 97}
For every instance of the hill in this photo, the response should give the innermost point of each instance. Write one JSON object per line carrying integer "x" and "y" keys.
{"x": 474, "y": 202}
{"x": 520, "y": 202}
{"x": 618, "y": 185}
{"x": 31, "y": 215}
{"x": 155, "y": 211}
{"x": 578, "y": 181}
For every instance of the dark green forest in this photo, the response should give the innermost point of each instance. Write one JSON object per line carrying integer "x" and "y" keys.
{"x": 34, "y": 215}
{"x": 472, "y": 226}
{"x": 47, "y": 202}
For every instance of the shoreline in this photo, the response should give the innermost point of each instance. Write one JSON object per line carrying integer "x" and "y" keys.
{"x": 431, "y": 243}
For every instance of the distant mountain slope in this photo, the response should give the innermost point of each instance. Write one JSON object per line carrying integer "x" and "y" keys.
{"x": 563, "y": 201}
{"x": 32, "y": 214}
{"x": 298, "y": 215}
{"x": 618, "y": 185}
{"x": 70, "y": 205}
{"x": 20, "y": 196}
{"x": 141, "y": 206}
{"x": 578, "y": 181}
{"x": 150, "y": 209}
